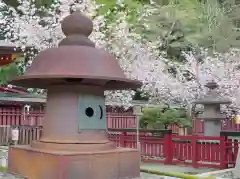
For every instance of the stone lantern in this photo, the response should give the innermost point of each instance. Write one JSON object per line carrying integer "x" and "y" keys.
{"x": 74, "y": 143}
{"x": 212, "y": 114}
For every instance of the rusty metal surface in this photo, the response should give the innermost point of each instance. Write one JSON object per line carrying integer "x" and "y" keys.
{"x": 76, "y": 61}
{"x": 66, "y": 150}
{"x": 75, "y": 65}
{"x": 32, "y": 164}
{"x": 57, "y": 146}
{"x": 110, "y": 164}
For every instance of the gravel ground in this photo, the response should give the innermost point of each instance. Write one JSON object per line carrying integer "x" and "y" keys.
{"x": 227, "y": 175}
{"x": 8, "y": 176}
{"x": 143, "y": 176}
{"x": 150, "y": 176}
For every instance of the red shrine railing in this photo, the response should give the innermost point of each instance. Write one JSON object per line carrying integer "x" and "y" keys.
{"x": 197, "y": 151}
{"x": 226, "y": 124}
{"x": 158, "y": 146}
{"x": 16, "y": 116}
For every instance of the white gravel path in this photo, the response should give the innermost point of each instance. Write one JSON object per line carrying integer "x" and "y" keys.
{"x": 150, "y": 176}
{"x": 143, "y": 176}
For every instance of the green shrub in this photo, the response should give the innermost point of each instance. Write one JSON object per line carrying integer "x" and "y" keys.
{"x": 158, "y": 118}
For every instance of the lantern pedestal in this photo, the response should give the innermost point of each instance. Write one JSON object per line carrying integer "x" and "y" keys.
{"x": 34, "y": 163}
{"x": 212, "y": 127}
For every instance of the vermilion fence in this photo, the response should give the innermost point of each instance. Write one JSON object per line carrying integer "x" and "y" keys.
{"x": 16, "y": 116}
{"x": 197, "y": 151}
{"x": 161, "y": 146}
{"x": 226, "y": 124}
{"x": 116, "y": 121}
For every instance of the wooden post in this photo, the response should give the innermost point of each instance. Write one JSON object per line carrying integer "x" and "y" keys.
{"x": 223, "y": 152}
{"x": 194, "y": 151}
{"x": 122, "y": 139}
{"x": 137, "y": 111}
{"x": 168, "y": 149}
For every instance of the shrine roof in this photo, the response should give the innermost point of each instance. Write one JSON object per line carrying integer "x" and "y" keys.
{"x": 35, "y": 98}
{"x": 22, "y": 98}
{"x": 20, "y": 95}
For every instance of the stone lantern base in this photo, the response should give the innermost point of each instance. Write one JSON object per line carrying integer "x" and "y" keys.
{"x": 34, "y": 163}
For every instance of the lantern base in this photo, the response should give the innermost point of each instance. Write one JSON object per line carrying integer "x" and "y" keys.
{"x": 35, "y": 163}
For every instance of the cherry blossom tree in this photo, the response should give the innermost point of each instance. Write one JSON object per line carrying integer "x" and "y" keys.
{"x": 29, "y": 29}
{"x": 164, "y": 80}
{"x": 186, "y": 82}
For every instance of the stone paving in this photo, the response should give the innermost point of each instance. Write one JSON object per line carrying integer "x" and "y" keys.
{"x": 9, "y": 176}
{"x": 150, "y": 176}
{"x": 143, "y": 176}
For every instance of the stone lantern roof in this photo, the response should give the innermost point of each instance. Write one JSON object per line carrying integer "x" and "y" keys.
{"x": 76, "y": 61}
{"x": 212, "y": 96}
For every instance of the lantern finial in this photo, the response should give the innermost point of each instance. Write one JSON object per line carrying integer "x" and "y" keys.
{"x": 77, "y": 27}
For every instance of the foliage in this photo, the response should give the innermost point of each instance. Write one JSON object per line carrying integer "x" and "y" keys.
{"x": 37, "y": 3}
{"x": 163, "y": 80}
{"x": 161, "y": 118}
{"x": 7, "y": 72}
{"x": 140, "y": 95}
{"x": 187, "y": 25}
{"x": 173, "y": 26}
{"x": 187, "y": 83}
{"x": 3, "y": 169}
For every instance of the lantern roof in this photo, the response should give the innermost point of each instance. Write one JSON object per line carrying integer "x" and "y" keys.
{"x": 76, "y": 61}
{"x": 212, "y": 96}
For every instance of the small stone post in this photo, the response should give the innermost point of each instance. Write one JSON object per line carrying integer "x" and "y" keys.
{"x": 137, "y": 111}
{"x": 212, "y": 114}
{"x": 15, "y": 135}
